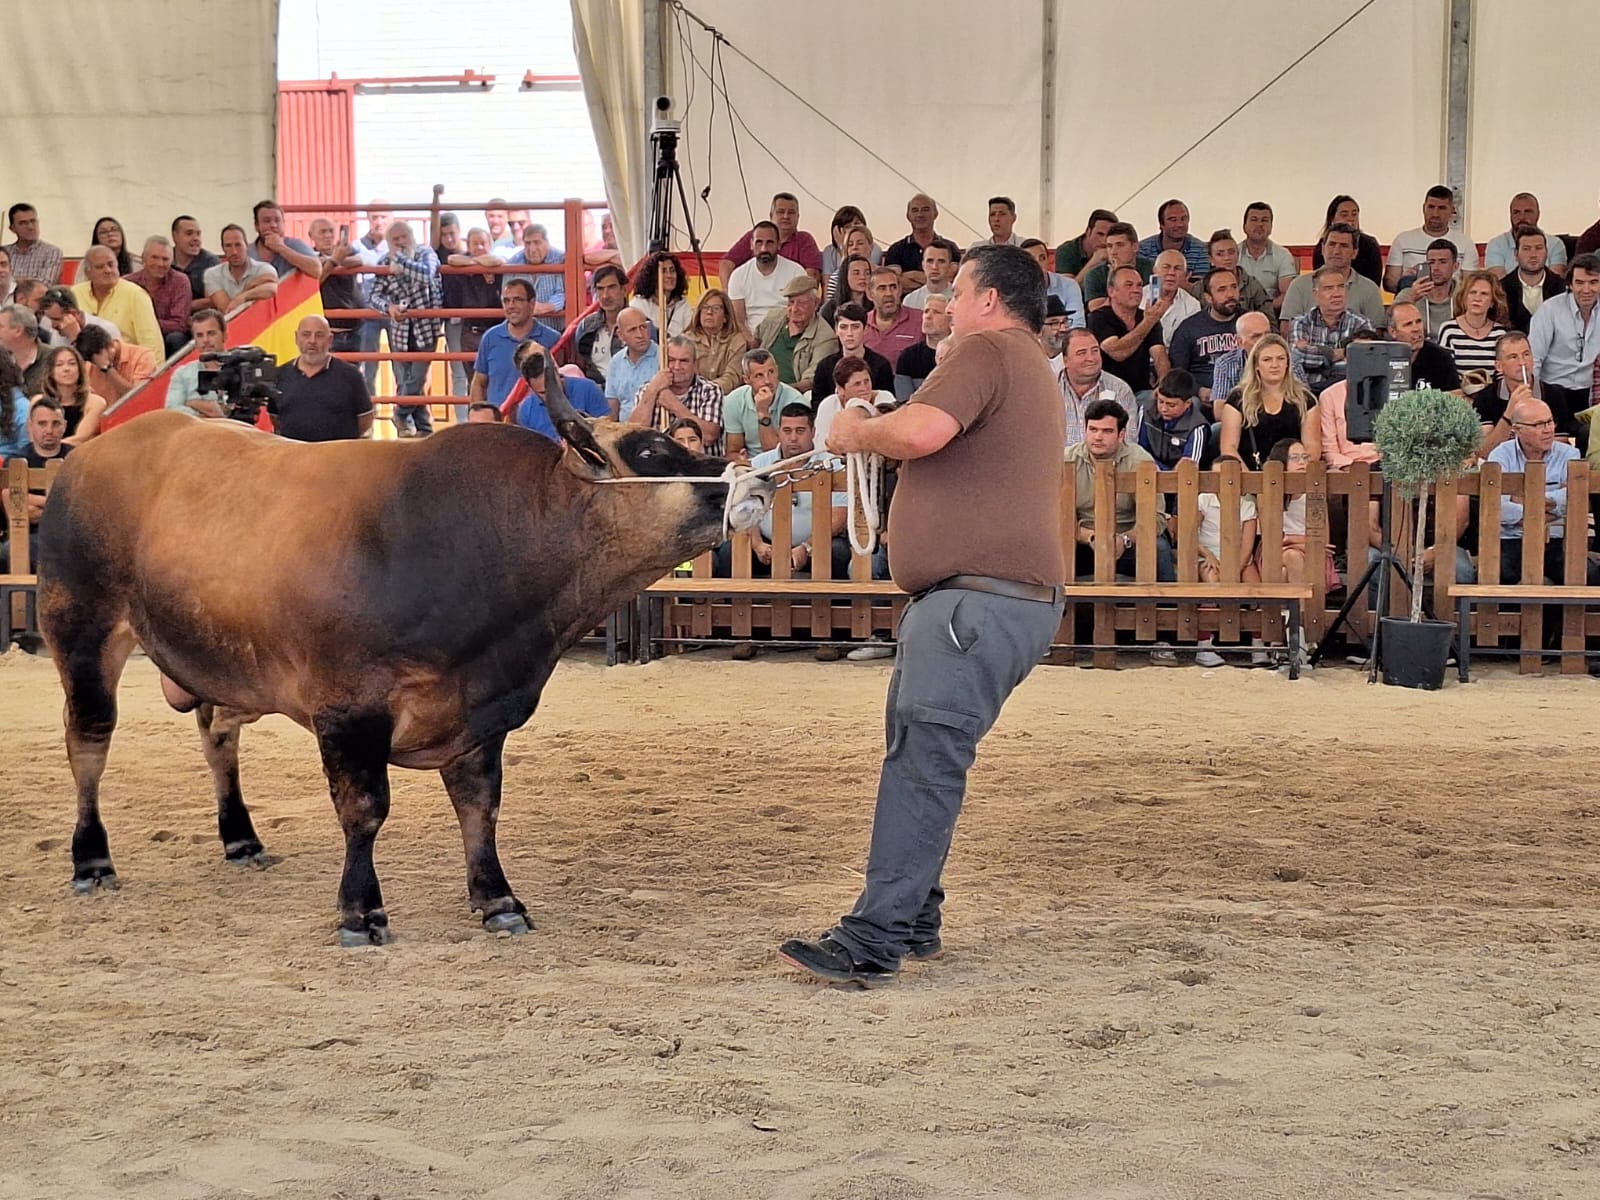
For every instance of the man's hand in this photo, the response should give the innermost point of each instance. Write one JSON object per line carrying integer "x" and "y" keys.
{"x": 273, "y": 242}
{"x": 1160, "y": 307}
{"x": 398, "y": 311}
{"x": 761, "y": 548}
{"x": 763, "y": 400}
{"x": 659, "y": 382}
{"x": 799, "y": 556}
{"x": 845, "y": 435}
{"x": 1520, "y": 394}
{"x": 1422, "y": 287}
{"x": 1095, "y": 259}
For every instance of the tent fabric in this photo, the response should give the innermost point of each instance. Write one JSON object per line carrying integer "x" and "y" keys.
{"x": 608, "y": 39}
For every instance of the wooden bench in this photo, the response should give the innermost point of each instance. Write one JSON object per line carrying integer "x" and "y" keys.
{"x": 1530, "y": 596}
{"x": 19, "y": 585}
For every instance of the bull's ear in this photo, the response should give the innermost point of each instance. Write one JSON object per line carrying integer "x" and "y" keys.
{"x": 587, "y": 457}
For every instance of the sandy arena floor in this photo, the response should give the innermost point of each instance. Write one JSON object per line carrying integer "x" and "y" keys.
{"x": 1213, "y": 936}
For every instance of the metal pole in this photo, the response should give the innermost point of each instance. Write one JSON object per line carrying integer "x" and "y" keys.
{"x": 655, "y": 74}
{"x": 1047, "y": 123}
{"x": 1458, "y": 81}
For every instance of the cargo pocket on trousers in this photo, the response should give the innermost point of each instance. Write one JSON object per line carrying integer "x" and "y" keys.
{"x": 927, "y": 714}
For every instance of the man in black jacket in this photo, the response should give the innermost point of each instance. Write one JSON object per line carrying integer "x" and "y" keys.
{"x": 1532, "y": 283}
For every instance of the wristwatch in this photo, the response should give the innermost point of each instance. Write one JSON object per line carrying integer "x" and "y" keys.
{"x": 765, "y": 421}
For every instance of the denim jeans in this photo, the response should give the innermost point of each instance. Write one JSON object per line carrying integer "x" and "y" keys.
{"x": 458, "y": 370}
{"x": 411, "y": 379}
{"x": 370, "y": 332}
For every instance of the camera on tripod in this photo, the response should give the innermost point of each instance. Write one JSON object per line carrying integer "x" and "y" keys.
{"x": 246, "y": 378}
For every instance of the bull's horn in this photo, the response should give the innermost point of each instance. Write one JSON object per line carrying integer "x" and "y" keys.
{"x": 574, "y": 428}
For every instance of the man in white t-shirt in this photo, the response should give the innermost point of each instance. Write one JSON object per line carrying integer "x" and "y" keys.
{"x": 939, "y": 266}
{"x": 1409, "y": 250}
{"x": 756, "y": 287}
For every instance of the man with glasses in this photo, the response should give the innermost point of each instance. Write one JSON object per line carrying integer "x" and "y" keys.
{"x": 1564, "y": 335}
{"x": 1534, "y": 440}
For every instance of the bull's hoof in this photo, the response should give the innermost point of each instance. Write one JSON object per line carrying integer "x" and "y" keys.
{"x": 261, "y": 860}
{"x": 95, "y": 877}
{"x": 374, "y": 931}
{"x": 507, "y": 922}
{"x": 247, "y": 850}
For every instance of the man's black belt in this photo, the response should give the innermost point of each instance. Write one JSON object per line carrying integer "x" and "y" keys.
{"x": 1037, "y": 592}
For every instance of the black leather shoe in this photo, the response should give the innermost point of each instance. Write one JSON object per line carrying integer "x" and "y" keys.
{"x": 827, "y": 959}
{"x": 925, "y": 949}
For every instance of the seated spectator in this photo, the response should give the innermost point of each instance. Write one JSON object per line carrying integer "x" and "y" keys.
{"x": 1052, "y": 330}
{"x": 1361, "y": 294}
{"x": 483, "y": 413}
{"x": 1209, "y": 506}
{"x": 1063, "y": 287}
{"x": 1433, "y": 290}
{"x": 891, "y": 327}
{"x": 1130, "y": 336}
{"x": 41, "y": 441}
{"x": 835, "y": 253}
{"x": 687, "y": 434}
{"x": 191, "y": 257}
{"x": 938, "y": 273}
{"x": 748, "y": 412}
{"x": 1173, "y": 219}
{"x": 528, "y": 409}
{"x": 850, "y": 326}
{"x": 1530, "y": 283}
{"x": 282, "y": 254}
{"x": 494, "y": 371}
{"x": 1320, "y": 333}
{"x": 1169, "y": 282}
{"x": 905, "y": 255}
{"x": 1515, "y": 379}
{"x": 413, "y": 283}
{"x": 1269, "y": 405}
{"x": 29, "y": 293}
{"x": 1002, "y": 223}
{"x": 659, "y": 290}
{"x": 852, "y": 380}
{"x": 1121, "y": 250}
{"x": 60, "y": 314}
{"x": 1338, "y": 451}
{"x": 633, "y": 366}
{"x": 793, "y": 244}
{"x": 1084, "y": 384}
{"x": 338, "y": 291}
{"x": 209, "y": 329}
{"x": 1368, "y": 258}
{"x": 31, "y": 258}
{"x": 1224, "y": 252}
{"x": 549, "y": 287}
{"x": 798, "y": 338}
{"x": 1077, "y": 256}
{"x": 1409, "y": 250}
{"x": 1500, "y": 255}
{"x": 8, "y": 282}
{"x": 1227, "y": 370}
{"x": 1207, "y": 336}
{"x": 116, "y": 367}
{"x": 851, "y": 284}
{"x": 1564, "y": 339}
{"x": 1294, "y": 456}
{"x": 13, "y": 412}
{"x": 238, "y": 279}
{"x": 324, "y": 399}
{"x": 169, "y": 293}
{"x": 19, "y": 338}
{"x": 1105, "y": 440}
{"x": 108, "y": 232}
{"x": 1430, "y": 365}
{"x": 720, "y": 343}
{"x": 1272, "y": 267}
{"x": 1479, "y": 321}
{"x": 126, "y": 305}
{"x": 916, "y": 362}
{"x": 1172, "y": 427}
{"x": 66, "y": 384}
{"x": 1535, "y": 441}
{"x": 756, "y": 286}
{"x": 594, "y": 335}
{"x": 680, "y": 392}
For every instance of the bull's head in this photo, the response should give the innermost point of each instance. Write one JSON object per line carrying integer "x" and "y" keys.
{"x": 600, "y": 448}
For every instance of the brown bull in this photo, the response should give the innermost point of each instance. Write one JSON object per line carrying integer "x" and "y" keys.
{"x": 406, "y": 602}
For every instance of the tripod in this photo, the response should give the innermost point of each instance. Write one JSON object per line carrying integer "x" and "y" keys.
{"x": 1386, "y": 561}
{"x": 669, "y": 181}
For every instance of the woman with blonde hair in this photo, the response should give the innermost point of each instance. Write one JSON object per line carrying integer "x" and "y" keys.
{"x": 67, "y": 383}
{"x": 1481, "y": 317}
{"x": 722, "y": 343}
{"x": 1269, "y": 405}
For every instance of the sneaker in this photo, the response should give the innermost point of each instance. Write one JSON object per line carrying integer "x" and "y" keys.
{"x": 925, "y": 949}
{"x": 1207, "y": 657}
{"x": 829, "y": 654}
{"x": 1260, "y": 658}
{"x": 876, "y": 648}
{"x": 1164, "y": 655}
{"x": 744, "y": 652}
{"x": 827, "y": 959}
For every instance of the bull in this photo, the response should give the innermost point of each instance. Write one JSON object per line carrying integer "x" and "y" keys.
{"x": 405, "y": 602}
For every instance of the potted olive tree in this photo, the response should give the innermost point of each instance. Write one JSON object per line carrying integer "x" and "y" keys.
{"x": 1422, "y": 435}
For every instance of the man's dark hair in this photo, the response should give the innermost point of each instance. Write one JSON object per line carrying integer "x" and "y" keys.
{"x": 1015, "y": 278}
{"x": 1257, "y": 206}
{"x": 850, "y": 312}
{"x": 483, "y": 406}
{"x": 49, "y": 402}
{"x": 946, "y": 244}
{"x": 1583, "y": 262}
{"x": 610, "y": 270}
{"x": 1102, "y": 408}
{"x": 801, "y": 410}
{"x": 1115, "y": 271}
{"x": 1215, "y": 273}
{"x": 850, "y": 364}
{"x": 1161, "y": 213}
{"x": 1444, "y": 244}
{"x": 91, "y": 340}
{"x": 208, "y": 314}
{"x": 1439, "y": 192}
{"x": 60, "y": 296}
{"x": 179, "y": 220}
{"x": 1348, "y": 231}
{"x": 1030, "y": 243}
{"x": 1280, "y": 450}
{"x": 1523, "y": 231}
{"x": 1123, "y": 229}
{"x": 1098, "y": 215}
{"x": 1365, "y": 335}
{"x": 11, "y": 213}
{"x": 789, "y": 196}
{"x": 255, "y": 213}
{"x": 776, "y": 232}
{"x": 1221, "y": 235}
{"x": 243, "y": 232}
{"x": 1177, "y": 384}
{"x": 527, "y": 288}
{"x": 1007, "y": 201}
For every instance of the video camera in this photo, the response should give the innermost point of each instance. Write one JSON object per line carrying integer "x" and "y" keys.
{"x": 246, "y": 378}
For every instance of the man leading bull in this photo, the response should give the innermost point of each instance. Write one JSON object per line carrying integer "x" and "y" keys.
{"x": 976, "y": 542}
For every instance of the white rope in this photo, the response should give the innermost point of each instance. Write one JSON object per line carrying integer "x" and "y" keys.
{"x": 863, "y": 481}
{"x": 738, "y": 478}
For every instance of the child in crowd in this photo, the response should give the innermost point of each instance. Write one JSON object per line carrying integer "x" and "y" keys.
{"x": 1210, "y": 539}
{"x": 1173, "y": 427}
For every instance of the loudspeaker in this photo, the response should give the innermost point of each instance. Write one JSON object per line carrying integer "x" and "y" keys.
{"x": 1375, "y": 371}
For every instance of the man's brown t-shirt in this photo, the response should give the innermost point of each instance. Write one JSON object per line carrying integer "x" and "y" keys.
{"x": 988, "y": 503}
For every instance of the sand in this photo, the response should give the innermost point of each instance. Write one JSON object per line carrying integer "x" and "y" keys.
{"x": 1212, "y": 935}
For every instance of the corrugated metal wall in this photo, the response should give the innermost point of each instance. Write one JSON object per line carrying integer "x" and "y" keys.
{"x": 316, "y": 151}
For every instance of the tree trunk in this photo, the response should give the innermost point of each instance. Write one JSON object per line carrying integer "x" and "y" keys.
{"x": 1419, "y": 544}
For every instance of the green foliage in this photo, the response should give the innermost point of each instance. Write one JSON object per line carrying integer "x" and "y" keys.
{"x": 1424, "y": 435}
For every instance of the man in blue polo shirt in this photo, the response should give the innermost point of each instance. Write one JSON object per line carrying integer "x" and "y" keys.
{"x": 583, "y": 394}
{"x": 494, "y": 371}
{"x": 634, "y": 365}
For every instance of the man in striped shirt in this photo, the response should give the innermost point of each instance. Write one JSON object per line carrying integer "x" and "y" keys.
{"x": 677, "y": 391}
{"x": 549, "y": 288}
{"x": 1317, "y": 336}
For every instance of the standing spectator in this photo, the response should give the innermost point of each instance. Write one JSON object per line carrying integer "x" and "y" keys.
{"x": 851, "y": 284}
{"x": 1121, "y": 250}
{"x": 104, "y": 293}
{"x": 605, "y": 250}
{"x": 1085, "y": 383}
{"x": 1002, "y": 223}
{"x": 797, "y": 337}
{"x": 633, "y": 366}
{"x": 917, "y": 361}
{"x": 1207, "y": 336}
{"x": 1531, "y": 283}
{"x": 1367, "y": 260}
{"x": 1319, "y": 335}
{"x": 116, "y": 368}
{"x": 1564, "y": 340}
{"x": 906, "y": 254}
{"x": 1262, "y": 259}
{"x": 719, "y": 345}
{"x": 1500, "y": 255}
{"x": 238, "y": 279}
{"x": 1433, "y": 290}
{"x": 679, "y": 392}
{"x": 756, "y": 286}
{"x": 371, "y": 249}
{"x": 549, "y": 287}
{"x": 209, "y": 328}
{"x": 324, "y": 399}
{"x": 1271, "y": 405}
{"x": 891, "y": 327}
{"x": 1078, "y": 256}
{"x": 793, "y": 243}
{"x": 516, "y": 222}
{"x": 938, "y": 273}
{"x": 498, "y": 219}
{"x": 1409, "y": 250}
{"x": 413, "y": 283}
{"x": 835, "y": 252}
{"x": 1361, "y": 294}
{"x": 338, "y": 291}
{"x": 465, "y": 334}
{"x": 851, "y": 329}
{"x": 282, "y": 254}
{"x": 66, "y": 383}
{"x": 108, "y": 232}
{"x": 1063, "y": 287}
{"x": 30, "y": 257}
{"x": 494, "y": 371}
{"x": 169, "y": 293}
{"x": 594, "y": 336}
{"x": 1130, "y": 336}
{"x": 191, "y": 257}
{"x": 1173, "y": 219}
{"x": 659, "y": 290}
{"x": 1478, "y": 321}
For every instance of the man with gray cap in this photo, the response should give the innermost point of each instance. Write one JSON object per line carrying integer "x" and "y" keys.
{"x": 798, "y": 338}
